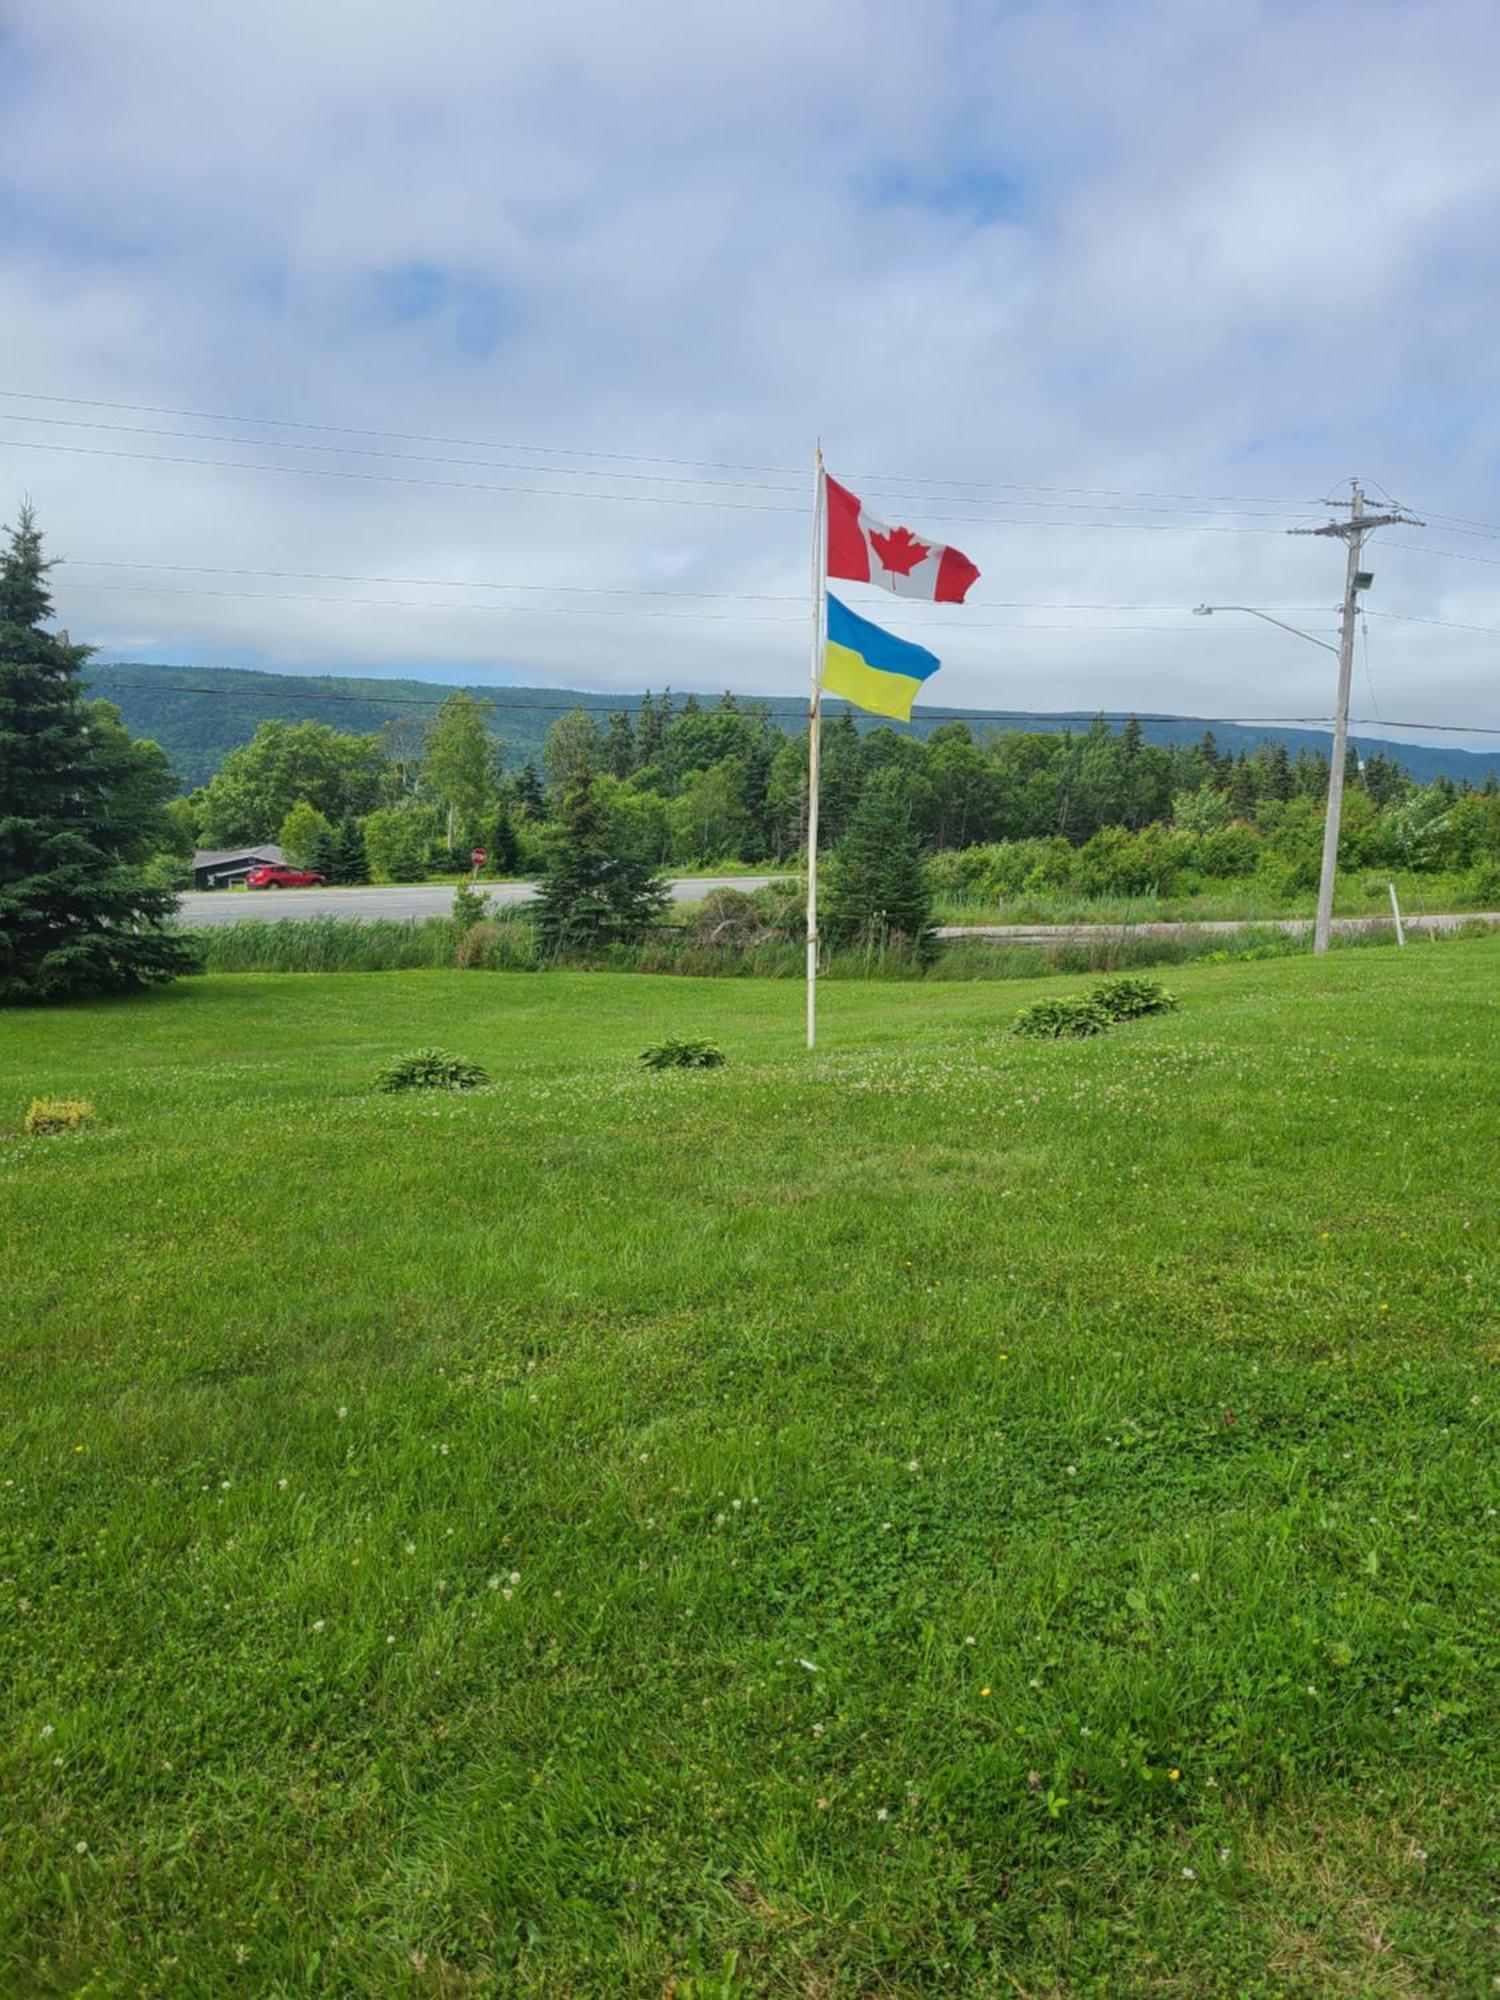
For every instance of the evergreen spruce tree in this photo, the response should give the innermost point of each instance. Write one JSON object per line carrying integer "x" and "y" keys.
{"x": 82, "y": 810}
{"x": 350, "y": 863}
{"x": 878, "y": 892}
{"x": 648, "y": 734}
{"x": 321, "y": 854}
{"x": 528, "y": 793}
{"x": 592, "y": 893}
{"x": 619, "y": 745}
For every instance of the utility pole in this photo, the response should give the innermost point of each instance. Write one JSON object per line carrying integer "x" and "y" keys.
{"x": 1356, "y": 579}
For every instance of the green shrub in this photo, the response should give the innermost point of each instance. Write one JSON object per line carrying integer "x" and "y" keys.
{"x": 1484, "y": 885}
{"x": 683, "y": 1055}
{"x": 50, "y": 1115}
{"x": 429, "y": 1069}
{"x": 470, "y": 907}
{"x": 1053, "y": 1020}
{"x": 1128, "y": 999}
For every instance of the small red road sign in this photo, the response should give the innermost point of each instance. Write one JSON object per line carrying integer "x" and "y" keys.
{"x": 479, "y": 857}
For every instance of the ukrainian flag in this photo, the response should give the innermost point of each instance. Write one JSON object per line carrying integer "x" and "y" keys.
{"x": 870, "y": 667}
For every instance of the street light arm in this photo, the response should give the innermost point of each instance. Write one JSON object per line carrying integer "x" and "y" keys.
{"x": 1207, "y": 611}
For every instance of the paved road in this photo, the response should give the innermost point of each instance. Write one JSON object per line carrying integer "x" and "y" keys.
{"x": 1297, "y": 926}
{"x": 200, "y": 907}
{"x": 429, "y": 899}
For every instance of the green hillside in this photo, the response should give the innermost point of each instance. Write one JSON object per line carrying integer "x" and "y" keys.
{"x": 198, "y": 714}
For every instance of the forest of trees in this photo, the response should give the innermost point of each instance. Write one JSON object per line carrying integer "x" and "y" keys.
{"x": 684, "y": 783}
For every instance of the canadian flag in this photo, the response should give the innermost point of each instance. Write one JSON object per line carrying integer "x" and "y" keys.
{"x": 869, "y": 551}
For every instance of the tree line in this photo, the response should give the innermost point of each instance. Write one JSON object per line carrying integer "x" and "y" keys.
{"x": 693, "y": 783}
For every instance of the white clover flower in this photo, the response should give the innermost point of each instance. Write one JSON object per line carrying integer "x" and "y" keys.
{"x": 83, "y": 1847}
{"x": 515, "y": 1578}
{"x": 48, "y": 1729}
{"x": 343, "y": 1411}
{"x": 318, "y": 1624}
{"x": 882, "y": 1814}
{"x": 281, "y": 1485}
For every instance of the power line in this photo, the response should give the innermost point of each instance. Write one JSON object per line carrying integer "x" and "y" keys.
{"x": 623, "y": 457}
{"x": 554, "y": 493}
{"x": 581, "y": 472}
{"x": 572, "y": 589}
{"x": 601, "y": 610}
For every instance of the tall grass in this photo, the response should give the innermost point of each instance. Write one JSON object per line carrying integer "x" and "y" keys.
{"x": 340, "y": 944}
{"x": 328, "y": 944}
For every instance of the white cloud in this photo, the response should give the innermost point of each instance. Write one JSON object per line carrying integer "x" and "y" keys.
{"x": 1159, "y": 250}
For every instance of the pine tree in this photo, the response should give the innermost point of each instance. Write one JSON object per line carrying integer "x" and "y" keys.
{"x": 619, "y": 745}
{"x": 350, "y": 863}
{"x": 527, "y": 791}
{"x": 878, "y": 892}
{"x": 82, "y": 810}
{"x": 648, "y": 733}
{"x": 591, "y": 893}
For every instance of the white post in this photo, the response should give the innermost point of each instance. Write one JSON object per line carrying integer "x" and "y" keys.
{"x": 1396, "y": 910}
{"x": 814, "y": 729}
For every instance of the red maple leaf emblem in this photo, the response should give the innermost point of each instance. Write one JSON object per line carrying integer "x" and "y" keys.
{"x": 899, "y": 550}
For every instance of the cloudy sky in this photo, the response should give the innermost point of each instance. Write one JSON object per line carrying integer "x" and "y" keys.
{"x": 491, "y": 342}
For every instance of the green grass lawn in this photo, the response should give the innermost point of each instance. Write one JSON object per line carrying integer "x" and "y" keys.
{"x": 951, "y": 1516}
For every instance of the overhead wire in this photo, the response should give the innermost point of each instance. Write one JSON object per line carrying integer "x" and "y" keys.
{"x": 638, "y": 458}
{"x": 555, "y": 493}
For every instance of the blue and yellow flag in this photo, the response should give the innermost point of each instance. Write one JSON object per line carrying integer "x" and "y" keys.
{"x": 870, "y": 667}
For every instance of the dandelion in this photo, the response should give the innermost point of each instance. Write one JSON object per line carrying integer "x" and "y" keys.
{"x": 984, "y": 1694}
{"x": 1174, "y": 1776}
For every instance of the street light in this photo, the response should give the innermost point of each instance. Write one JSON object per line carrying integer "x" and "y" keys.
{"x": 1358, "y": 581}
{"x": 1208, "y": 610}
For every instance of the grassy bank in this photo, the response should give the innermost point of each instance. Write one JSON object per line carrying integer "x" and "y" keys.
{"x": 953, "y": 1515}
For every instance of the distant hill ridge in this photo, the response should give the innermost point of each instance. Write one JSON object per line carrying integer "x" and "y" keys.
{"x": 199, "y": 714}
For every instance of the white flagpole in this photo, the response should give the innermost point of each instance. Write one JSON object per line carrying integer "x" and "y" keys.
{"x": 814, "y": 728}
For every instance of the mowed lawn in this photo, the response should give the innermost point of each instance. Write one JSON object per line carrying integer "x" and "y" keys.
{"x": 949, "y": 1516}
